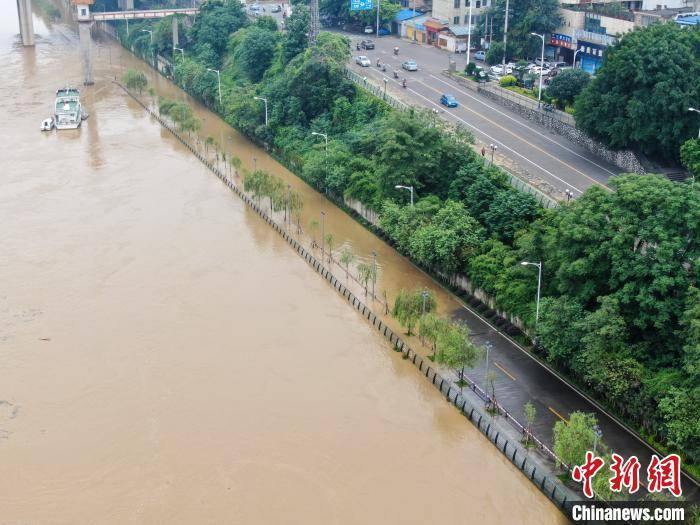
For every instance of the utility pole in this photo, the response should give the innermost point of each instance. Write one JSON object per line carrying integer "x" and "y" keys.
{"x": 505, "y": 37}
{"x": 374, "y": 272}
{"x": 313, "y": 23}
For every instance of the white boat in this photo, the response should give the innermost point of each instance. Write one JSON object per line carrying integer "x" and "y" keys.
{"x": 68, "y": 110}
{"x": 47, "y": 124}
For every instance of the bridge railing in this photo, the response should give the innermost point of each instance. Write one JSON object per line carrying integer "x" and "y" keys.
{"x": 143, "y": 14}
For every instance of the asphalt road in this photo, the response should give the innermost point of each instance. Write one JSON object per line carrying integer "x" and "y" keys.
{"x": 550, "y": 157}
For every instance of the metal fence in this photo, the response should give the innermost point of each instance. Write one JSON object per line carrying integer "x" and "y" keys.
{"x": 526, "y": 102}
{"x": 544, "y": 200}
{"x": 376, "y": 90}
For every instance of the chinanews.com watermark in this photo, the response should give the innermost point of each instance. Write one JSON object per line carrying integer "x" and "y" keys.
{"x": 663, "y": 478}
{"x": 629, "y": 512}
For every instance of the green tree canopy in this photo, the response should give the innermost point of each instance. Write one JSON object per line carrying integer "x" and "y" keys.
{"x": 639, "y": 99}
{"x": 567, "y": 85}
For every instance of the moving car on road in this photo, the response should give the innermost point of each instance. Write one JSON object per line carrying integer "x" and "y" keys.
{"x": 367, "y": 44}
{"x": 480, "y": 55}
{"x": 449, "y": 100}
{"x": 363, "y": 61}
{"x": 369, "y": 30}
{"x": 276, "y": 8}
{"x": 254, "y": 8}
{"x": 409, "y": 65}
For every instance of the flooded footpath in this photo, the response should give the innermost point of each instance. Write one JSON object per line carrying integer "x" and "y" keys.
{"x": 165, "y": 357}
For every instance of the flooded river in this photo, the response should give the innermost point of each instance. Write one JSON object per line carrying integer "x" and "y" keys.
{"x": 165, "y": 357}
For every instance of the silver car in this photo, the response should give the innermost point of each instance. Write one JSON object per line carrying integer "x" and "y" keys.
{"x": 363, "y": 61}
{"x": 409, "y": 65}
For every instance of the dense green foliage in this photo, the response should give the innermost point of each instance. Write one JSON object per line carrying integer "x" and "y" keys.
{"x": 620, "y": 311}
{"x": 690, "y": 156}
{"x": 640, "y": 97}
{"x": 567, "y": 85}
{"x": 524, "y": 17}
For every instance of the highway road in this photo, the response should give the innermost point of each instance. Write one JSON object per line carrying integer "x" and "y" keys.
{"x": 542, "y": 154}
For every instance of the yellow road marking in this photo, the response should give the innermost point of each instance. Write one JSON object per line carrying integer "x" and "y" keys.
{"x": 504, "y": 371}
{"x": 558, "y": 415}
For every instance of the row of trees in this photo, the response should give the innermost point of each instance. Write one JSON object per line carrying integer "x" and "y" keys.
{"x": 619, "y": 310}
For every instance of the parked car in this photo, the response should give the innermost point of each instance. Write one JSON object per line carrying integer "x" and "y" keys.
{"x": 276, "y": 9}
{"x": 449, "y": 100}
{"x": 363, "y": 61}
{"x": 560, "y": 65}
{"x": 367, "y": 44}
{"x": 499, "y": 71}
{"x": 536, "y": 70}
{"x": 409, "y": 65}
{"x": 480, "y": 55}
{"x": 369, "y": 30}
{"x": 538, "y": 62}
{"x": 254, "y": 8}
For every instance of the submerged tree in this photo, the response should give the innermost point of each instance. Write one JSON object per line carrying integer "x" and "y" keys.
{"x": 134, "y": 79}
{"x": 409, "y": 306}
{"x": 346, "y": 257}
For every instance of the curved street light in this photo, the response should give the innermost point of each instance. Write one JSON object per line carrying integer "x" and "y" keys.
{"x": 539, "y": 285}
{"x": 409, "y": 188}
{"x": 265, "y": 101}
{"x": 539, "y": 96}
{"x": 218, "y": 77}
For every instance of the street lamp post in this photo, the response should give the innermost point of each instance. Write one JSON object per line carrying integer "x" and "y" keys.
{"x": 151, "y": 35}
{"x": 488, "y": 347}
{"x": 424, "y": 294}
{"x": 469, "y": 35}
{"x": 218, "y": 77}
{"x": 597, "y": 434}
{"x": 493, "y": 147}
{"x": 539, "y": 95}
{"x": 385, "y": 81}
{"x": 326, "y": 138}
{"x": 180, "y": 50}
{"x": 374, "y": 272}
{"x": 323, "y": 235}
{"x": 505, "y": 37}
{"x": 575, "y": 53}
{"x": 698, "y": 112}
{"x": 409, "y": 188}
{"x": 539, "y": 285}
{"x": 265, "y": 101}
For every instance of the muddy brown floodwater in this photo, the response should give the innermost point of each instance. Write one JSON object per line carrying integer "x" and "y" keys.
{"x": 166, "y": 358}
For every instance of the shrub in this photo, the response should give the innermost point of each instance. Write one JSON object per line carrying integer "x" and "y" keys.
{"x": 508, "y": 80}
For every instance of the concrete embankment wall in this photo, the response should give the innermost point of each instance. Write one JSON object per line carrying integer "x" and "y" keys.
{"x": 467, "y": 402}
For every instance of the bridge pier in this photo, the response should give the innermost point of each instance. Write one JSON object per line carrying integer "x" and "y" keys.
{"x": 86, "y": 51}
{"x": 176, "y": 39}
{"x": 26, "y": 23}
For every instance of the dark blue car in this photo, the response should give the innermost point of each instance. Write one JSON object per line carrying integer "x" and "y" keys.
{"x": 449, "y": 100}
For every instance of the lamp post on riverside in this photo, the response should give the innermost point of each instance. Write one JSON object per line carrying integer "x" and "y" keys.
{"x": 698, "y": 112}
{"x": 326, "y": 138}
{"x": 539, "y": 95}
{"x": 569, "y": 194}
{"x": 374, "y": 272}
{"x": 323, "y": 234}
{"x": 487, "y": 346}
{"x": 409, "y": 188}
{"x": 597, "y": 434}
{"x": 152, "y": 53}
{"x": 539, "y": 285}
{"x": 265, "y": 101}
{"x": 218, "y": 77}
{"x": 180, "y": 50}
{"x": 493, "y": 147}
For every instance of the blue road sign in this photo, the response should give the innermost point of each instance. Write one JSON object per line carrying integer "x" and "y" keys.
{"x": 361, "y": 5}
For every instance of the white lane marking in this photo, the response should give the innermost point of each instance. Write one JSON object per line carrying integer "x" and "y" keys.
{"x": 509, "y": 117}
{"x": 492, "y": 139}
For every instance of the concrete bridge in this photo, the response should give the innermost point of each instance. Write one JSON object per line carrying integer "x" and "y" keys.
{"x": 85, "y": 19}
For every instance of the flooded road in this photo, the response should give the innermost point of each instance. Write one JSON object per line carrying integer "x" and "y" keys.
{"x": 166, "y": 358}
